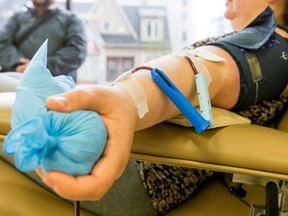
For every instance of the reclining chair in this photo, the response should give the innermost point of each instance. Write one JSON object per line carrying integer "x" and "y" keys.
{"x": 255, "y": 155}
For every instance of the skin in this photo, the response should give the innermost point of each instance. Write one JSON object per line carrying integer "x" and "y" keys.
{"x": 279, "y": 7}
{"x": 242, "y": 12}
{"x": 121, "y": 117}
{"x": 40, "y": 6}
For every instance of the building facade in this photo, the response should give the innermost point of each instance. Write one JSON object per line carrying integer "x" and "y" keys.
{"x": 122, "y": 37}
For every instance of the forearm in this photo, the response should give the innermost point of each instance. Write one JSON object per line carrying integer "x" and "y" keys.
{"x": 223, "y": 86}
{"x": 178, "y": 69}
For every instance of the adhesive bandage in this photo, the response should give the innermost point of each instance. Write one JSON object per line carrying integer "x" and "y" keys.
{"x": 135, "y": 90}
{"x": 194, "y": 56}
{"x": 207, "y": 55}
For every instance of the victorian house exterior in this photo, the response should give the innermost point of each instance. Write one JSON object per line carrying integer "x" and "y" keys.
{"x": 122, "y": 37}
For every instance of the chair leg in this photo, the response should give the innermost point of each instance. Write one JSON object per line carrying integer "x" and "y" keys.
{"x": 77, "y": 208}
{"x": 272, "y": 199}
{"x": 283, "y": 198}
{"x": 271, "y": 208}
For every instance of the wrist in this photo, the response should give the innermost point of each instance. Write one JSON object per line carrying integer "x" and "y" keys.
{"x": 126, "y": 104}
{"x": 134, "y": 89}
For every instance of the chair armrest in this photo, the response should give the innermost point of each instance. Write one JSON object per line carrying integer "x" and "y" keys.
{"x": 243, "y": 148}
{"x": 246, "y": 149}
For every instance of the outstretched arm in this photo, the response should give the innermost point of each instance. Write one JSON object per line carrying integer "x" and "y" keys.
{"x": 120, "y": 115}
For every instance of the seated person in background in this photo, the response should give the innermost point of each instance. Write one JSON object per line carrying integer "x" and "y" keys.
{"x": 231, "y": 87}
{"x": 26, "y": 30}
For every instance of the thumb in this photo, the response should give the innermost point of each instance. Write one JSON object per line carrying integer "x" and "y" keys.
{"x": 77, "y": 99}
{"x": 57, "y": 103}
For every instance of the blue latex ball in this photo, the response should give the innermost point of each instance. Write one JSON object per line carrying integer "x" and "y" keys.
{"x": 67, "y": 142}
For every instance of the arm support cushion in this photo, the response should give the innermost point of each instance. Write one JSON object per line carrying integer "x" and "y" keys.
{"x": 244, "y": 148}
{"x": 239, "y": 148}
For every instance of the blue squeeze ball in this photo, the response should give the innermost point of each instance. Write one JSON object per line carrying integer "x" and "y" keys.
{"x": 66, "y": 142}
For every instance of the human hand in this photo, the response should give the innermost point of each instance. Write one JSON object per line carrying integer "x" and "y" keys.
{"x": 113, "y": 104}
{"x": 23, "y": 63}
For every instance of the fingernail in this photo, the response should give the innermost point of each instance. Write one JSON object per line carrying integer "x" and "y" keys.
{"x": 60, "y": 100}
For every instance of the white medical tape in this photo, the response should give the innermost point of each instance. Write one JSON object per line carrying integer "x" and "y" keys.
{"x": 207, "y": 55}
{"x": 135, "y": 90}
{"x": 122, "y": 77}
{"x": 194, "y": 54}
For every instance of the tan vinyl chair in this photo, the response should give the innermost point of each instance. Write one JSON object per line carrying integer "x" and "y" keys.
{"x": 257, "y": 153}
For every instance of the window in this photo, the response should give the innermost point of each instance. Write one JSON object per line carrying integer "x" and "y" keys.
{"x": 184, "y": 17}
{"x": 152, "y": 29}
{"x": 184, "y": 36}
{"x": 118, "y": 65}
{"x": 106, "y": 26}
{"x": 184, "y": 3}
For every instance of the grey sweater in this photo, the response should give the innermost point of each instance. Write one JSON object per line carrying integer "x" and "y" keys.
{"x": 67, "y": 46}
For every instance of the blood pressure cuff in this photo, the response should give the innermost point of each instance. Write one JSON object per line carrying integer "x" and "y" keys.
{"x": 261, "y": 59}
{"x": 66, "y": 142}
